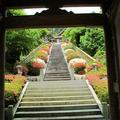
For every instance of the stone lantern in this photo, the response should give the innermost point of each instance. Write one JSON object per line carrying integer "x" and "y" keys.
{"x": 19, "y": 69}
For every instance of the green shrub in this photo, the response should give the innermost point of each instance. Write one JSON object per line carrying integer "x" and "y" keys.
{"x": 101, "y": 89}
{"x": 42, "y": 55}
{"x": 10, "y": 98}
{"x": 69, "y": 46}
{"x": 79, "y": 70}
{"x": 100, "y": 56}
{"x": 67, "y": 51}
{"x": 72, "y": 55}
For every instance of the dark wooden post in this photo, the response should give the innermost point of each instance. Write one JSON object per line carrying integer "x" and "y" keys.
{"x": 2, "y": 61}
{"x": 111, "y": 64}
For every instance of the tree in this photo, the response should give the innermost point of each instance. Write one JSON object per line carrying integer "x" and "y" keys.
{"x": 93, "y": 40}
{"x": 74, "y": 34}
{"x": 21, "y": 41}
{"x": 88, "y": 39}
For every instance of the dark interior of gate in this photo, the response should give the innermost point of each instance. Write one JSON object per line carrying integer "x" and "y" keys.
{"x": 55, "y": 17}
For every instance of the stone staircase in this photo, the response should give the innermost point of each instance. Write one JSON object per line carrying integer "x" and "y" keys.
{"x": 58, "y": 97}
{"x": 58, "y": 100}
{"x": 57, "y": 68}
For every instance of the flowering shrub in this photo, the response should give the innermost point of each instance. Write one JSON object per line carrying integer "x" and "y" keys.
{"x": 38, "y": 63}
{"x": 68, "y": 51}
{"x": 72, "y": 55}
{"x": 13, "y": 88}
{"x": 78, "y": 64}
{"x": 46, "y": 48}
{"x": 68, "y": 46}
{"x": 64, "y": 44}
{"x": 92, "y": 77}
{"x": 9, "y": 77}
{"x": 101, "y": 88}
{"x": 42, "y": 55}
{"x": 32, "y": 71}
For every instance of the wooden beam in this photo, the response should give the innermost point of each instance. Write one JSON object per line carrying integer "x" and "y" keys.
{"x": 54, "y": 21}
{"x": 43, "y": 3}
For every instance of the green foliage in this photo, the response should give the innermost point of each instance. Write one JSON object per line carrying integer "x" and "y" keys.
{"x": 89, "y": 40}
{"x": 42, "y": 55}
{"x": 66, "y": 52}
{"x": 13, "y": 87}
{"x": 73, "y": 34}
{"x": 101, "y": 89}
{"x": 92, "y": 41}
{"x": 72, "y": 55}
{"x": 100, "y": 56}
{"x": 14, "y": 12}
{"x": 78, "y": 70}
{"x": 22, "y": 42}
{"x": 10, "y": 99}
{"x": 69, "y": 46}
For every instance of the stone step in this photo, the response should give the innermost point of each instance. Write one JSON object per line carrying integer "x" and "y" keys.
{"x": 55, "y": 87}
{"x": 82, "y": 85}
{"x": 56, "y": 90}
{"x": 58, "y": 66}
{"x": 52, "y": 79}
{"x": 65, "y": 102}
{"x": 58, "y": 113}
{"x": 59, "y": 73}
{"x": 62, "y": 77}
{"x": 58, "y": 94}
{"x": 58, "y": 107}
{"x": 59, "y": 98}
{"x": 86, "y": 117}
{"x": 40, "y": 84}
{"x": 73, "y": 82}
{"x": 52, "y": 74}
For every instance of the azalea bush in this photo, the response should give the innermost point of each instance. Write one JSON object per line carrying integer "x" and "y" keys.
{"x": 64, "y": 44}
{"x": 13, "y": 87}
{"x": 69, "y": 51}
{"x": 72, "y": 55}
{"x": 78, "y": 64}
{"x": 38, "y": 63}
{"x": 100, "y": 87}
{"x": 68, "y": 46}
{"x": 32, "y": 71}
{"x": 42, "y": 55}
{"x": 99, "y": 82}
{"x": 46, "y": 48}
{"x": 101, "y": 71}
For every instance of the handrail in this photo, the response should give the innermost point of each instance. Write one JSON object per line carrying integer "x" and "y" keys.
{"x": 85, "y": 54}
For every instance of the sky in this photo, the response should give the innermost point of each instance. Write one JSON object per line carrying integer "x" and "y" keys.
{"x": 74, "y": 9}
